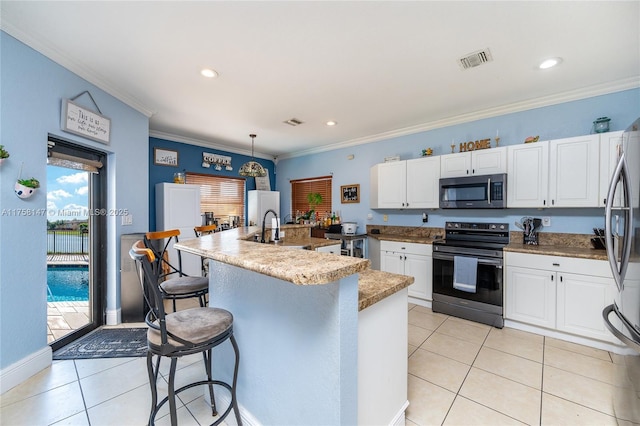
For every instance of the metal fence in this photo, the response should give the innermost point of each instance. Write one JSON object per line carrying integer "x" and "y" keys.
{"x": 68, "y": 242}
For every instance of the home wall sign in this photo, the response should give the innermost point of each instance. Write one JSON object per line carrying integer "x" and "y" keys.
{"x": 84, "y": 122}
{"x": 165, "y": 157}
{"x": 474, "y": 146}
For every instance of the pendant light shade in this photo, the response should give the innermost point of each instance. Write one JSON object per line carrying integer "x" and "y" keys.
{"x": 252, "y": 168}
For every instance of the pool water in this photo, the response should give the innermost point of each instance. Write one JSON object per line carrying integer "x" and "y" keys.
{"x": 67, "y": 283}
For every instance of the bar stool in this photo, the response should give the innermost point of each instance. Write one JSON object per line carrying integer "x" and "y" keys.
{"x": 200, "y": 231}
{"x": 182, "y": 333}
{"x": 173, "y": 283}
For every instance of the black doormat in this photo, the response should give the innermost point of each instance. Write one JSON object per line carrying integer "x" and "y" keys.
{"x": 106, "y": 343}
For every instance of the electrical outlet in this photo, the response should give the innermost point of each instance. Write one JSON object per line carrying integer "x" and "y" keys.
{"x": 369, "y": 216}
{"x": 385, "y": 218}
{"x": 425, "y": 218}
{"x": 546, "y": 221}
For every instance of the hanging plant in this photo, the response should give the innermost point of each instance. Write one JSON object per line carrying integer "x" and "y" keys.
{"x": 3, "y": 154}
{"x": 25, "y": 188}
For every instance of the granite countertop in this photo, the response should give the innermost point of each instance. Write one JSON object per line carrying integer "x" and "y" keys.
{"x": 302, "y": 267}
{"x": 558, "y": 250}
{"x": 403, "y": 238}
{"x": 373, "y": 286}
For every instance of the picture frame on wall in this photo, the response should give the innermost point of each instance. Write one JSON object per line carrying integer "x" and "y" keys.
{"x": 350, "y": 193}
{"x": 165, "y": 157}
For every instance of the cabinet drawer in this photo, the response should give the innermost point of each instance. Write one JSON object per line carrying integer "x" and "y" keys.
{"x": 597, "y": 268}
{"x": 402, "y": 247}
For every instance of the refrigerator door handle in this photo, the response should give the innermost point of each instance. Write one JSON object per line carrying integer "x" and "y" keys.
{"x": 621, "y": 174}
{"x": 634, "y": 341}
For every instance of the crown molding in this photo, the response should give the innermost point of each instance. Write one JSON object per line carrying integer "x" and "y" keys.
{"x": 559, "y": 98}
{"x": 71, "y": 65}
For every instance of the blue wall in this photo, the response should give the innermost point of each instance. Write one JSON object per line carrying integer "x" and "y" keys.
{"x": 552, "y": 122}
{"x": 32, "y": 90}
{"x": 190, "y": 160}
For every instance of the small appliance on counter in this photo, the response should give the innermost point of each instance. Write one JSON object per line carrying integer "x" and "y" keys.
{"x": 349, "y": 228}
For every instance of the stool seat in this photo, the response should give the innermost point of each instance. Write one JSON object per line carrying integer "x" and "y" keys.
{"x": 198, "y": 326}
{"x": 184, "y": 285}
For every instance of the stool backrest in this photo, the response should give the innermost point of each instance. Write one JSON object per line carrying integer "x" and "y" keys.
{"x": 204, "y": 230}
{"x": 160, "y": 242}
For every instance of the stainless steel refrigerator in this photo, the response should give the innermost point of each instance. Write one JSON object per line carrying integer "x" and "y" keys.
{"x": 622, "y": 233}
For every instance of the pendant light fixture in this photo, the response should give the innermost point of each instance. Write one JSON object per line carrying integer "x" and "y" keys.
{"x": 252, "y": 168}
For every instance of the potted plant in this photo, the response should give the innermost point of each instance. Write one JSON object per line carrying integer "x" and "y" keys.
{"x": 314, "y": 199}
{"x": 25, "y": 188}
{"x": 3, "y": 153}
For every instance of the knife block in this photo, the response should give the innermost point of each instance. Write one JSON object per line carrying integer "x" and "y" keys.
{"x": 530, "y": 239}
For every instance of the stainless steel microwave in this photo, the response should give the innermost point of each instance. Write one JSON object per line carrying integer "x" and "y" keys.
{"x": 474, "y": 192}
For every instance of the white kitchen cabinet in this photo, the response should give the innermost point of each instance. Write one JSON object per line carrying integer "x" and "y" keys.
{"x": 528, "y": 175}
{"x": 332, "y": 249}
{"x": 559, "y": 293}
{"x": 610, "y": 145}
{"x": 480, "y": 162}
{"x": 574, "y": 171}
{"x": 178, "y": 207}
{"x": 409, "y": 259}
{"x": 411, "y": 184}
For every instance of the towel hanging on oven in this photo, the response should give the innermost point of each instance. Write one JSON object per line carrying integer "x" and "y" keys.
{"x": 465, "y": 271}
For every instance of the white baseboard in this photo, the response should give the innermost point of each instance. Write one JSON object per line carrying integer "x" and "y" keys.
{"x": 421, "y": 302}
{"x": 114, "y": 317}
{"x": 28, "y": 366}
{"x": 399, "y": 419}
{"x": 223, "y": 399}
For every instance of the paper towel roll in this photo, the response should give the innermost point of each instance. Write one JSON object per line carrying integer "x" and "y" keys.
{"x": 275, "y": 224}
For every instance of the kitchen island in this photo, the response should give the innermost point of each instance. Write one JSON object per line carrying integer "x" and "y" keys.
{"x": 323, "y": 339}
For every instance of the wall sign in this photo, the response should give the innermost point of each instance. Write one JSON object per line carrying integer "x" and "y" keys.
{"x": 350, "y": 193}
{"x": 165, "y": 157}
{"x": 84, "y": 122}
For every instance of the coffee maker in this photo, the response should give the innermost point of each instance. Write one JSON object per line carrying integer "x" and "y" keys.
{"x": 208, "y": 219}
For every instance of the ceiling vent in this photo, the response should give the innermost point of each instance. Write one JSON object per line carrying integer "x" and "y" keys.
{"x": 293, "y": 122}
{"x": 475, "y": 59}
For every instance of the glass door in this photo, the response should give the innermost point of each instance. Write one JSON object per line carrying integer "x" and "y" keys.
{"x": 75, "y": 238}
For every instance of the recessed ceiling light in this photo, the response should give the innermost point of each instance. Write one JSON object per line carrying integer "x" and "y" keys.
{"x": 549, "y": 63}
{"x": 209, "y": 73}
{"x": 331, "y": 123}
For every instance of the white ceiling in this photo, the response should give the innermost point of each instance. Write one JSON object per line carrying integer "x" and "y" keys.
{"x": 379, "y": 69}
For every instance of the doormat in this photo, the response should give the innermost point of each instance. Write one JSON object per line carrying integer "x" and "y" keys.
{"x": 106, "y": 343}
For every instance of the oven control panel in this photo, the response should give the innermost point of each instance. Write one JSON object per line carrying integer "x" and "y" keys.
{"x": 472, "y": 226}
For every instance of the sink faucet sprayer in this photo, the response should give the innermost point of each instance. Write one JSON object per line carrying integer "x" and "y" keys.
{"x": 276, "y": 236}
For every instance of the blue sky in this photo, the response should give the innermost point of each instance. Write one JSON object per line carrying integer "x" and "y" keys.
{"x": 67, "y": 193}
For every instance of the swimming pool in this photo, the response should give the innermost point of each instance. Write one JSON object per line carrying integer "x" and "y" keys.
{"x": 67, "y": 283}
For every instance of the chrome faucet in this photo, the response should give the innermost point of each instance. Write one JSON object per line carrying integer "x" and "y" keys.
{"x": 276, "y": 236}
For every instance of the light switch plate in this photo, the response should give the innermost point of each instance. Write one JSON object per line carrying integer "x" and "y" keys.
{"x": 127, "y": 219}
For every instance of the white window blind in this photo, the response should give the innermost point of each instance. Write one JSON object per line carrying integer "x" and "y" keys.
{"x": 224, "y": 196}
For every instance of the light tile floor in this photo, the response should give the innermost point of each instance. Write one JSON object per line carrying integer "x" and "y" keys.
{"x": 65, "y": 317}
{"x": 460, "y": 373}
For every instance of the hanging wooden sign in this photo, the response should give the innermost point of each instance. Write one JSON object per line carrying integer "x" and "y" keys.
{"x": 84, "y": 122}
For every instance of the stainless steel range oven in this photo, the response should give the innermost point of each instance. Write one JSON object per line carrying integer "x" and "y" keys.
{"x": 467, "y": 271}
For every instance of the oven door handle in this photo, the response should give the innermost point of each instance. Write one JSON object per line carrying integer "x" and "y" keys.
{"x": 481, "y": 260}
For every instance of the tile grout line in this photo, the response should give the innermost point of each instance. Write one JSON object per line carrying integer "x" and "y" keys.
{"x": 84, "y": 403}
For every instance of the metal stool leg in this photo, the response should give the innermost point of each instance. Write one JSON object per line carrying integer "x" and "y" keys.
{"x": 154, "y": 387}
{"x": 207, "y": 365}
{"x": 172, "y": 392}
{"x": 234, "y": 400}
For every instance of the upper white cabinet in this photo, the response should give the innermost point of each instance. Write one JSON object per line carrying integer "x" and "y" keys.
{"x": 480, "y": 162}
{"x": 411, "y": 184}
{"x": 610, "y": 148}
{"x": 574, "y": 171}
{"x": 528, "y": 175}
{"x": 557, "y": 173}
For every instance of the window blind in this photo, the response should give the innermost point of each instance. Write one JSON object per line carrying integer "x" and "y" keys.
{"x": 224, "y": 196}
{"x": 300, "y": 188}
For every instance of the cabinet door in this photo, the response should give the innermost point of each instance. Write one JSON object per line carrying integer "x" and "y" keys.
{"x": 419, "y": 267}
{"x": 392, "y": 262}
{"x": 574, "y": 171}
{"x": 389, "y": 185}
{"x": 531, "y": 296}
{"x": 489, "y": 161}
{"x": 528, "y": 171}
{"x": 332, "y": 249}
{"x": 423, "y": 177}
{"x": 581, "y": 299}
{"x": 455, "y": 165}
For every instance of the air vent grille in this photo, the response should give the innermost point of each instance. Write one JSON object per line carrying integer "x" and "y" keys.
{"x": 293, "y": 122}
{"x": 475, "y": 59}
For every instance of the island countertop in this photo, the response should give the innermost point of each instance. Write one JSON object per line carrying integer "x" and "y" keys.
{"x": 302, "y": 267}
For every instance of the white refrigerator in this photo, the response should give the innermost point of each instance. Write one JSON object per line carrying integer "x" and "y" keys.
{"x": 258, "y": 202}
{"x": 178, "y": 207}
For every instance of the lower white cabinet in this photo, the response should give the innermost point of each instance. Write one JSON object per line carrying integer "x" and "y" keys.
{"x": 332, "y": 249}
{"x": 409, "y": 259}
{"x": 555, "y": 293}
